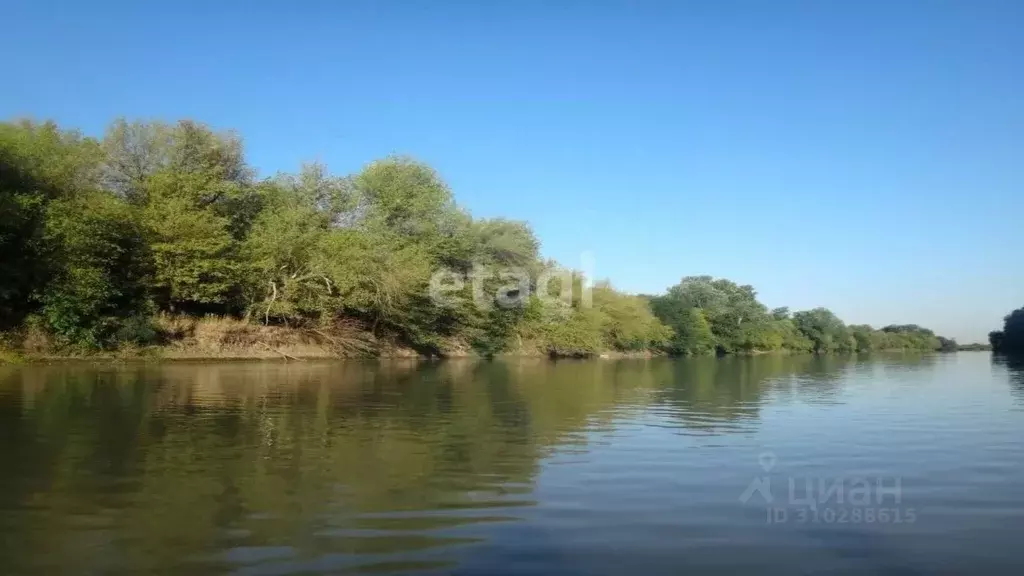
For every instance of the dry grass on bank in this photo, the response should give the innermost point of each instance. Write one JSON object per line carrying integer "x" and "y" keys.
{"x": 225, "y": 337}
{"x": 183, "y": 337}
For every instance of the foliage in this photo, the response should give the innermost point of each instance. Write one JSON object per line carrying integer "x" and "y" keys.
{"x": 732, "y": 311}
{"x": 1010, "y": 340}
{"x": 975, "y": 347}
{"x": 627, "y": 323}
{"x": 100, "y": 262}
{"x": 193, "y": 253}
{"x": 39, "y": 164}
{"x": 157, "y": 220}
{"x": 826, "y": 332}
{"x": 708, "y": 314}
{"x": 691, "y": 333}
{"x": 947, "y": 344}
{"x": 579, "y": 334}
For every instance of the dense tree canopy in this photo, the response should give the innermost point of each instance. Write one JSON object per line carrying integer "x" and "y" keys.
{"x": 708, "y": 314}
{"x": 99, "y": 235}
{"x": 1009, "y": 340}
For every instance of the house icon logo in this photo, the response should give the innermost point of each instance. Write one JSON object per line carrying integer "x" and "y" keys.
{"x": 762, "y": 484}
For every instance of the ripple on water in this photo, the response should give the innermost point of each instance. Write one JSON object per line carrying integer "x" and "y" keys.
{"x": 505, "y": 467}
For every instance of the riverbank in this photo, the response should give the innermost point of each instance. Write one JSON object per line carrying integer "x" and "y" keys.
{"x": 300, "y": 353}
{"x": 230, "y": 339}
{"x": 311, "y": 352}
{"x": 162, "y": 354}
{"x": 217, "y": 338}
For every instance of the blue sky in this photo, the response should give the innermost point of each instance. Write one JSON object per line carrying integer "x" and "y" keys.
{"x": 866, "y": 156}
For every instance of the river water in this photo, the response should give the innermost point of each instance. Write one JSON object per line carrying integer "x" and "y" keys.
{"x": 908, "y": 464}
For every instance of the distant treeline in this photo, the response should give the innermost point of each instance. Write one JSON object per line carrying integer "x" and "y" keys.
{"x": 1009, "y": 340}
{"x": 98, "y": 237}
{"x": 709, "y": 315}
{"x": 974, "y": 347}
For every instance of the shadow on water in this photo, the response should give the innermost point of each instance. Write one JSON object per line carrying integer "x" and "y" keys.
{"x": 354, "y": 466}
{"x": 1014, "y": 365}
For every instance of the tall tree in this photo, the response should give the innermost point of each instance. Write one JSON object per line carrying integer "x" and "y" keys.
{"x": 1011, "y": 339}
{"x": 732, "y": 311}
{"x": 98, "y": 296}
{"x": 826, "y": 332}
{"x": 39, "y": 164}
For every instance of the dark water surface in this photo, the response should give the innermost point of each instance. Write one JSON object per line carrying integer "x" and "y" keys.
{"x": 770, "y": 465}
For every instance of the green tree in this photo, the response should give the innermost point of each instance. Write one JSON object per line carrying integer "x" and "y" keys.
{"x": 1010, "y": 340}
{"x": 693, "y": 335}
{"x": 864, "y": 338}
{"x": 196, "y": 199}
{"x": 826, "y": 332}
{"x": 288, "y": 271}
{"x": 577, "y": 333}
{"x": 97, "y": 297}
{"x": 97, "y": 235}
{"x": 406, "y": 198}
{"x": 912, "y": 336}
{"x": 736, "y": 317}
{"x": 506, "y": 243}
{"x": 628, "y": 323}
{"x": 39, "y": 164}
{"x": 194, "y": 255}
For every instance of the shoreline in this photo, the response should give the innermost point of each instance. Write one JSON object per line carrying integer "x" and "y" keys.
{"x": 12, "y": 358}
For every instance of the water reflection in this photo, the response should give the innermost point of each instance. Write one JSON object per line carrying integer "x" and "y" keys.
{"x": 358, "y": 466}
{"x": 1014, "y": 365}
